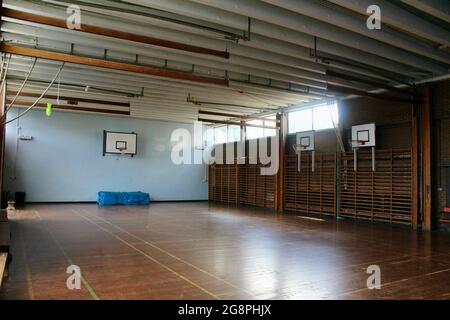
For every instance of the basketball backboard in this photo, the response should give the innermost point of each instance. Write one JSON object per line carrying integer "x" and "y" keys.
{"x": 305, "y": 141}
{"x": 363, "y": 135}
{"x": 119, "y": 143}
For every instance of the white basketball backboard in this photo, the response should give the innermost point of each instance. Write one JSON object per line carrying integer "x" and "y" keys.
{"x": 119, "y": 143}
{"x": 305, "y": 141}
{"x": 363, "y": 135}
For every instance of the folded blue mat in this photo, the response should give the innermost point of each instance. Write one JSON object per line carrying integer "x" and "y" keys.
{"x": 125, "y": 198}
{"x": 133, "y": 198}
{"x": 107, "y": 198}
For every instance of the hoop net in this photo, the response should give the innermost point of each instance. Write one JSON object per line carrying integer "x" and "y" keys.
{"x": 121, "y": 149}
{"x": 358, "y": 143}
{"x": 299, "y": 147}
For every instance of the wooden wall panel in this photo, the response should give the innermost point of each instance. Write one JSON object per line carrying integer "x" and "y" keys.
{"x": 382, "y": 195}
{"x": 223, "y": 182}
{"x": 308, "y": 191}
{"x": 385, "y": 194}
{"x": 241, "y": 184}
{"x": 256, "y": 189}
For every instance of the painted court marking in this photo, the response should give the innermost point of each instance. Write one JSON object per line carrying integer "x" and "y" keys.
{"x": 149, "y": 257}
{"x": 69, "y": 260}
{"x": 25, "y": 260}
{"x": 169, "y": 254}
{"x": 400, "y": 280}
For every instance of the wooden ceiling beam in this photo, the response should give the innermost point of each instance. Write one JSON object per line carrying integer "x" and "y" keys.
{"x": 229, "y": 115}
{"x": 106, "y": 64}
{"x": 70, "y": 108}
{"x": 65, "y": 98}
{"x": 60, "y": 23}
{"x": 338, "y": 90}
{"x": 231, "y": 123}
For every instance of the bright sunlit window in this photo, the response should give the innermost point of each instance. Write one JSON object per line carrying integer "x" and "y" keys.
{"x": 209, "y": 136}
{"x": 300, "y": 120}
{"x": 234, "y": 133}
{"x": 270, "y": 132}
{"x": 315, "y": 118}
{"x": 256, "y": 133}
{"x": 220, "y": 135}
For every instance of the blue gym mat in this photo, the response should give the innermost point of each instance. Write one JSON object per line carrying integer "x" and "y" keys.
{"x": 123, "y": 198}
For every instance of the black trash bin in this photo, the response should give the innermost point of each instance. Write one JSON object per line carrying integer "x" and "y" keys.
{"x": 19, "y": 199}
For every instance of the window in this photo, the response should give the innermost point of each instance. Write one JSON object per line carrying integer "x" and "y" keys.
{"x": 270, "y": 122}
{"x": 316, "y": 118}
{"x": 256, "y": 132}
{"x": 209, "y": 136}
{"x": 234, "y": 133}
{"x": 220, "y": 135}
{"x": 324, "y": 116}
{"x": 300, "y": 120}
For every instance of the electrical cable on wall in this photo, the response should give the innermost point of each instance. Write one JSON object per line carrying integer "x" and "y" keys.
{"x": 38, "y": 99}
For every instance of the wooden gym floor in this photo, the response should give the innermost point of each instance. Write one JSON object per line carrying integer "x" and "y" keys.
{"x": 207, "y": 251}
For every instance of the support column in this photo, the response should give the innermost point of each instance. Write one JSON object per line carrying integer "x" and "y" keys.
{"x": 242, "y": 133}
{"x": 415, "y": 217}
{"x": 2, "y": 135}
{"x": 2, "y": 118}
{"x": 427, "y": 161}
{"x": 282, "y": 124}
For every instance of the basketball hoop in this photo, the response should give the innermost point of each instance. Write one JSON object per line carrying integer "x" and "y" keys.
{"x": 305, "y": 142}
{"x": 358, "y": 143}
{"x": 299, "y": 148}
{"x": 121, "y": 146}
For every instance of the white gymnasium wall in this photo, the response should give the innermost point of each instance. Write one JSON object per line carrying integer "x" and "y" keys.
{"x": 64, "y": 160}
